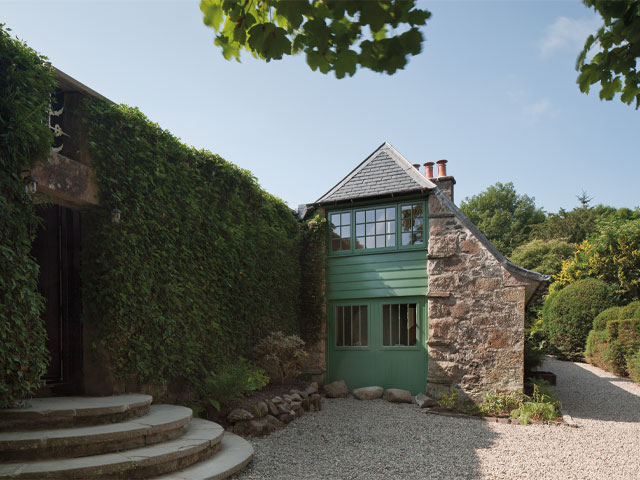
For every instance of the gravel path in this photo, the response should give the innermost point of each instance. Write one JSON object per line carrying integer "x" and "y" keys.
{"x": 352, "y": 439}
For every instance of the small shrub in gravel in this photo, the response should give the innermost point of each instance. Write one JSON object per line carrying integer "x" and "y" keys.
{"x": 633, "y": 366}
{"x": 568, "y": 314}
{"x": 543, "y": 404}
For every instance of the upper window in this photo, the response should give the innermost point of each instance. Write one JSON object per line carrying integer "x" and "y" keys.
{"x": 384, "y": 227}
{"x": 340, "y": 231}
{"x": 376, "y": 228}
{"x": 411, "y": 220}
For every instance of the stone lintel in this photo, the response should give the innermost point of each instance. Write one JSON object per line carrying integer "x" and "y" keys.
{"x": 438, "y": 294}
{"x": 66, "y": 182}
{"x": 436, "y": 256}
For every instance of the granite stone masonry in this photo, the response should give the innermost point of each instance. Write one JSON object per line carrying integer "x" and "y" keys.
{"x": 476, "y": 311}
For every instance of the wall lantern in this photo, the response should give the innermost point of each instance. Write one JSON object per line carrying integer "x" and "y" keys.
{"x": 115, "y": 215}
{"x": 30, "y": 183}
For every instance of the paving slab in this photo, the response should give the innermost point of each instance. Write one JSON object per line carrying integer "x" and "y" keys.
{"x": 164, "y": 422}
{"x": 235, "y": 454}
{"x": 201, "y": 440}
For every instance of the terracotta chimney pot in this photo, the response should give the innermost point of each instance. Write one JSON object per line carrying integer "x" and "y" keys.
{"x": 442, "y": 168}
{"x": 428, "y": 169}
{"x": 416, "y": 166}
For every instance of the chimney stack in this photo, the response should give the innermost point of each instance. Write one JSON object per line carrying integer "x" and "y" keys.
{"x": 442, "y": 168}
{"x": 428, "y": 169}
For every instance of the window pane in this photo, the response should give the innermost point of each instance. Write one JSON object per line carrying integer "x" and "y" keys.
{"x": 360, "y": 216}
{"x": 346, "y": 219}
{"x": 364, "y": 336}
{"x": 371, "y": 242}
{"x": 412, "y": 324}
{"x": 391, "y": 240}
{"x": 346, "y": 244}
{"x": 417, "y": 238}
{"x": 417, "y": 222}
{"x": 347, "y": 326}
{"x": 345, "y": 232}
{"x": 371, "y": 228}
{"x": 406, "y": 239}
{"x": 380, "y": 214}
{"x": 417, "y": 210}
{"x": 391, "y": 227}
{"x": 339, "y": 327}
{"x": 386, "y": 325}
{"x": 335, "y": 219}
{"x": 404, "y": 321}
{"x": 391, "y": 213}
{"x": 336, "y": 232}
{"x": 380, "y": 241}
{"x": 380, "y": 227}
{"x": 359, "y": 243}
{"x": 360, "y": 230}
{"x": 355, "y": 326}
{"x": 335, "y": 245}
{"x": 370, "y": 216}
{"x": 395, "y": 328}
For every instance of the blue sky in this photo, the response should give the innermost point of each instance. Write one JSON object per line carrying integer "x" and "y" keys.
{"x": 493, "y": 92}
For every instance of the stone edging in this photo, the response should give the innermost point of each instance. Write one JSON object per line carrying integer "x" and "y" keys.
{"x": 266, "y": 416}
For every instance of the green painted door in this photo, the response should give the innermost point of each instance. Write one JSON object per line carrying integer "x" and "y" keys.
{"x": 378, "y": 342}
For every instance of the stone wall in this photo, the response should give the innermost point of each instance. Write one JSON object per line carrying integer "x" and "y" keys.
{"x": 476, "y": 312}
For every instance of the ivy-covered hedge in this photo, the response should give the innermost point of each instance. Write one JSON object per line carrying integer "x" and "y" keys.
{"x": 26, "y": 83}
{"x": 203, "y": 263}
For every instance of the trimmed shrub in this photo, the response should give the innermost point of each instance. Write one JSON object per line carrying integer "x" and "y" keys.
{"x": 633, "y": 366}
{"x": 281, "y": 356}
{"x": 568, "y": 314}
{"x": 600, "y": 322}
{"x": 596, "y": 345}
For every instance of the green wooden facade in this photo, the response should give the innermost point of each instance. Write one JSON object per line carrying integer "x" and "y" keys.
{"x": 376, "y": 285}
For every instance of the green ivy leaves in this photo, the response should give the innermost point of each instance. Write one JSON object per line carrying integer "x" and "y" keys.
{"x": 335, "y": 35}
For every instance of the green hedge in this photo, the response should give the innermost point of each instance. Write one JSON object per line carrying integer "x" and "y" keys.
{"x": 26, "y": 83}
{"x": 568, "y": 314}
{"x": 614, "y": 342}
{"x": 202, "y": 265}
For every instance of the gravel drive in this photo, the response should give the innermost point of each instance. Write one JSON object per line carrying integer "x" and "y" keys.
{"x": 374, "y": 439}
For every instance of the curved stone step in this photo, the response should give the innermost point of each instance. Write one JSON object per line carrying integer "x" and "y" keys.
{"x": 235, "y": 454}
{"x": 200, "y": 442}
{"x": 164, "y": 422}
{"x": 67, "y": 412}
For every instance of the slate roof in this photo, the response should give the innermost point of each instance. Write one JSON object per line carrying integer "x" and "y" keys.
{"x": 383, "y": 172}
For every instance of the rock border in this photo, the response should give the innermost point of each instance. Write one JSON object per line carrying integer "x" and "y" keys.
{"x": 503, "y": 420}
{"x": 260, "y": 418}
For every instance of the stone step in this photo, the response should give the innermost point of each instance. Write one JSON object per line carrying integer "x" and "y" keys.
{"x": 201, "y": 440}
{"x": 235, "y": 454}
{"x": 164, "y": 422}
{"x": 67, "y": 412}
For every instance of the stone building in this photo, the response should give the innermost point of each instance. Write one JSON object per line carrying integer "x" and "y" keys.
{"x": 417, "y": 297}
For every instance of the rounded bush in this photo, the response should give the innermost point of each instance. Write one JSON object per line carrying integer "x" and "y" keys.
{"x": 600, "y": 322}
{"x": 568, "y": 314}
{"x": 596, "y": 345}
{"x": 633, "y": 366}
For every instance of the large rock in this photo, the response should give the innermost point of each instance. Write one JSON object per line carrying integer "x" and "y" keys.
{"x": 316, "y": 401}
{"x": 238, "y": 415}
{"x": 312, "y": 388}
{"x": 425, "y": 402}
{"x": 283, "y": 407}
{"x": 258, "y": 427}
{"x": 368, "y": 393}
{"x": 336, "y": 389}
{"x": 273, "y": 410}
{"x": 397, "y": 395}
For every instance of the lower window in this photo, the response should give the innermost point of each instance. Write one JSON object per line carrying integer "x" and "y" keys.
{"x": 399, "y": 322}
{"x": 351, "y": 326}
